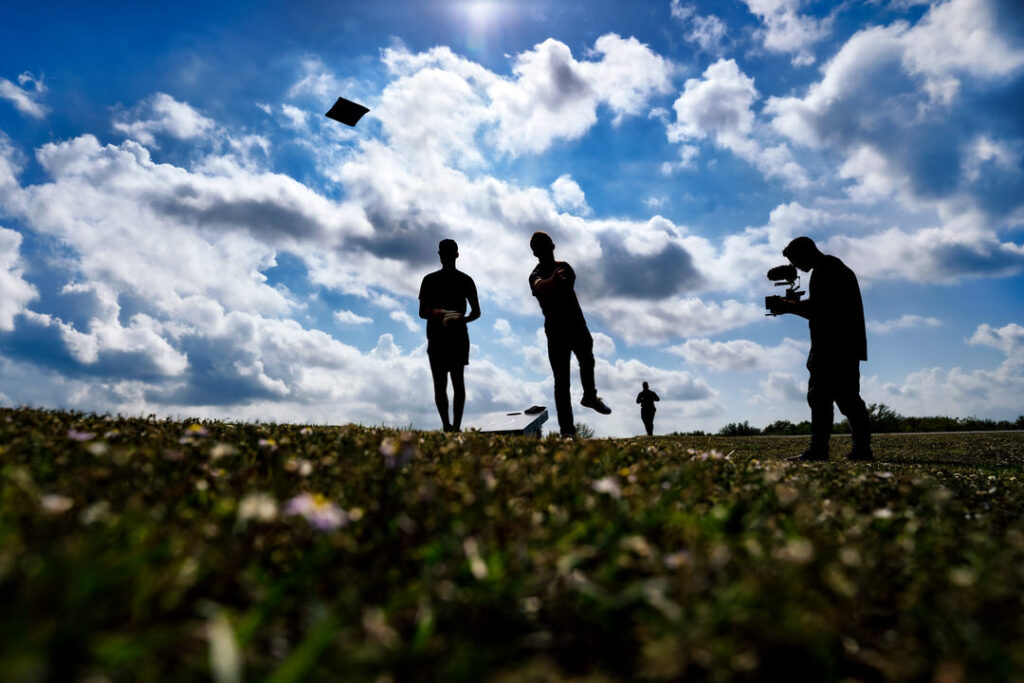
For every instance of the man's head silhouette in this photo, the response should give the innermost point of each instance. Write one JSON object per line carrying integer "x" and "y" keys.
{"x": 803, "y": 253}
{"x": 448, "y": 250}
{"x": 542, "y": 245}
{"x": 645, "y": 385}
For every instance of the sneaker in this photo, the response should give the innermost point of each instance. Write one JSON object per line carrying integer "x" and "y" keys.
{"x": 595, "y": 403}
{"x": 809, "y": 456}
{"x": 860, "y": 455}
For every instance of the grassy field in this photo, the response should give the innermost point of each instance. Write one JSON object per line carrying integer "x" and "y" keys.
{"x": 138, "y": 549}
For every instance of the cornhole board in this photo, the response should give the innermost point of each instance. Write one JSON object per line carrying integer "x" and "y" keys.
{"x": 524, "y": 422}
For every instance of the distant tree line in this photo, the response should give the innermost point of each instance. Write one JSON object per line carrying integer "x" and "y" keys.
{"x": 883, "y": 420}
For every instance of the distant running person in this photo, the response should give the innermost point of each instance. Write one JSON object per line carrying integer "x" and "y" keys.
{"x": 552, "y": 282}
{"x": 646, "y": 399}
{"x": 444, "y": 295}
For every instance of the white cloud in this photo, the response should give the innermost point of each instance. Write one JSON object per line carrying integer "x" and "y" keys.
{"x": 553, "y": 96}
{"x": 15, "y": 291}
{"x": 650, "y": 323}
{"x": 961, "y": 248}
{"x": 350, "y": 318}
{"x": 687, "y": 157}
{"x": 891, "y": 102}
{"x": 317, "y": 81}
{"x": 997, "y": 393}
{"x": 404, "y": 318}
{"x": 568, "y": 195}
{"x": 907, "y": 321}
{"x": 1009, "y": 339}
{"x": 782, "y": 386}
{"x": 25, "y": 99}
{"x": 787, "y": 31}
{"x": 707, "y": 31}
{"x": 294, "y": 117}
{"x": 164, "y": 232}
{"x": 161, "y": 114}
{"x": 719, "y": 106}
{"x": 740, "y": 354}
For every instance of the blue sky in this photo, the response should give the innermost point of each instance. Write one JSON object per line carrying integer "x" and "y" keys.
{"x": 183, "y": 232}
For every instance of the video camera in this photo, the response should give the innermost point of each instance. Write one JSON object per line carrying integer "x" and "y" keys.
{"x": 783, "y": 276}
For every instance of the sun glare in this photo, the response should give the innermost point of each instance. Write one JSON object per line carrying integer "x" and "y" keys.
{"x": 482, "y": 14}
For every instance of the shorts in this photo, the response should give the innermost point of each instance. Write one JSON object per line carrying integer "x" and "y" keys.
{"x": 452, "y": 353}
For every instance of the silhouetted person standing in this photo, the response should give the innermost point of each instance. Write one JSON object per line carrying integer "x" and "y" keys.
{"x": 553, "y": 283}
{"x": 646, "y": 399}
{"x": 835, "y": 314}
{"x": 443, "y": 298}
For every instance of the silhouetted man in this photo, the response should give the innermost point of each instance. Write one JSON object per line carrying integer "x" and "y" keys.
{"x": 552, "y": 282}
{"x": 646, "y": 399}
{"x": 835, "y": 314}
{"x": 443, "y": 298}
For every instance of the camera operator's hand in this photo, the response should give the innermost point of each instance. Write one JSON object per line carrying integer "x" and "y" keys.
{"x": 777, "y": 305}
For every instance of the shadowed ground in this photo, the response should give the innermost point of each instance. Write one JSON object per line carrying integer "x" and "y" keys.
{"x": 162, "y": 550}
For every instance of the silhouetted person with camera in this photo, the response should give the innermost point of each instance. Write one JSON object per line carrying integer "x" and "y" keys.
{"x": 553, "y": 283}
{"x": 443, "y": 298}
{"x": 835, "y": 314}
{"x": 646, "y": 399}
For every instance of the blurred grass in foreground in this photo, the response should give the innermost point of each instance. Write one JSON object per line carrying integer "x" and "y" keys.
{"x": 135, "y": 549}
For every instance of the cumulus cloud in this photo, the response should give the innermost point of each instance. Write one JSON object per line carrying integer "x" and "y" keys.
{"x": 350, "y": 318}
{"x": 961, "y": 248}
{"x": 787, "y": 31}
{"x": 740, "y": 354}
{"x": 26, "y": 95}
{"x": 957, "y": 392}
{"x": 161, "y": 114}
{"x": 718, "y": 106}
{"x": 568, "y": 195}
{"x": 706, "y": 30}
{"x": 554, "y": 96}
{"x": 15, "y": 291}
{"x": 907, "y": 321}
{"x": 782, "y": 386}
{"x": 923, "y": 112}
{"x": 1008, "y": 339}
{"x": 659, "y": 321}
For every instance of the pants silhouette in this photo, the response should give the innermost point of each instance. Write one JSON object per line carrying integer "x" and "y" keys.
{"x": 648, "y": 418}
{"x": 839, "y": 383}
{"x": 562, "y": 344}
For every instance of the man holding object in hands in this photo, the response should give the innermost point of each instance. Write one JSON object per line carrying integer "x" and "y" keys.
{"x": 835, "y": 313}
{"x": 443, "y": 298}
{"x": 552, "y": 282}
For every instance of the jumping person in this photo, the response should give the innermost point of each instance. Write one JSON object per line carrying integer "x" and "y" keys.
{"x": 552, "y": 282}
{"x": 646, "y": 399}
{"x": 835, "y": 314}
{"x": 443, "y": 298}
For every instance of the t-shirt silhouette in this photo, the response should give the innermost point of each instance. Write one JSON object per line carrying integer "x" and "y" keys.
{"x": 646, "y": 399}
{"x": 559, "y": 304}
{"x": 449, "y": 290}
{"x": 837, "y": 313}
